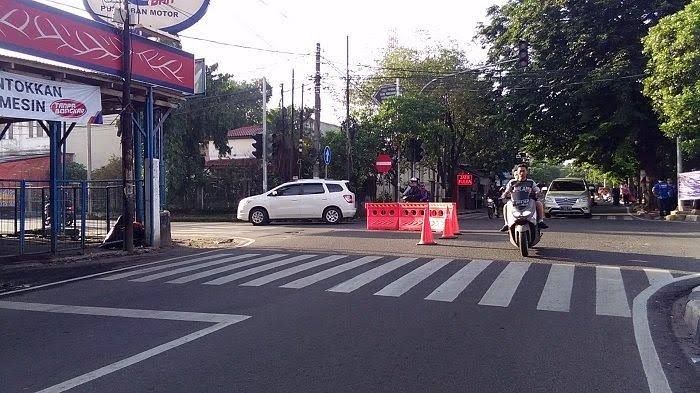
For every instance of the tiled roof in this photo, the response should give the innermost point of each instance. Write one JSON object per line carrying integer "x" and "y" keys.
{"x": 245, "y": 131}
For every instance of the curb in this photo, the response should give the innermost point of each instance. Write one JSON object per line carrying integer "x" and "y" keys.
{"x": 691, "y": 315}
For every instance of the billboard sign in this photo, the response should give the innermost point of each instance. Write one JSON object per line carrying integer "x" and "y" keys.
{"x": 42, "y": 99}
{"x": 168, "y": 15}
{"x": 465, "y": 179}
{"x": 46, "y": 32}
{"x": 689, "y": 186}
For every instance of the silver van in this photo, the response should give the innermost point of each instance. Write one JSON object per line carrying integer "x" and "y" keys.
{"x": 568, "y": 196}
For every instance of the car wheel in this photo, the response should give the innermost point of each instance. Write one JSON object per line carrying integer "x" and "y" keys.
{"x": 258, "y": 216}
{"x": 547, "y": 215}
{"x": 588, "y": 215}
{"x": 332, "y": 215}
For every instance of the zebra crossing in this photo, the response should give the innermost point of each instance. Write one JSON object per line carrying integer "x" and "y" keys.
{"x": 598, "y": 217}
{"x": 446, "y": 279}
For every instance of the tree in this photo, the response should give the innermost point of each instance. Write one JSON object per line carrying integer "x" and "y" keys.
{"x": 228, "y": 104}
{"x": 673, "y": 84}
{"x": 581, "y": 97}
{"x": 75, "y": 171}
{"x": 112, "y": 170}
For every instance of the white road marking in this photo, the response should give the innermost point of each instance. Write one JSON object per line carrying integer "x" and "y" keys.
{"x": 51, "y": 284}
{"x": 161, "y": 267}
{"x": 656, "y": 377}
{"x": 314, "y": 278}
{"x": 502, "y": 290}
{"x": 122, "y": 312}
{"x": 258, "y": 269}
{"x": 185, "y": 269}
{"x": 92, "y": 375}
{"x": 223, "y": 269}
{"x": 292, "y": 270}
{"x": 658, "y": 276}
{"x": 410, "y": 280}
{"x": 627, "y": 218}
{"x": 556, "y": 295}
{"x": 450, "y": 289}
{"x": 610, "y": 295}
{"x": 596, "y": 217}
{"x": 370, "y": 275}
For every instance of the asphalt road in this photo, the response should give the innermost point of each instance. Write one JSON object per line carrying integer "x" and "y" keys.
{"x": 313, "y": 308}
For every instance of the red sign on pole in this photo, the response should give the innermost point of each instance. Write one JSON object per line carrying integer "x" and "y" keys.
{"x": 465, "y": 179}
{"x": 383, "y": 163}
{"x": 39, "y": 30}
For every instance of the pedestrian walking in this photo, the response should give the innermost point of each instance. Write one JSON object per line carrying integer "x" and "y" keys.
{"x": 662, "y": 192}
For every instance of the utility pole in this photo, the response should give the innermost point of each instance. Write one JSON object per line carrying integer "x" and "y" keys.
{"x": 679, "y": 169}
{"x": 317, "y": 113}
{"x": 301, "y": 129}
{"x": 398, "y": 154}
{"x": 264, "y": 135}
{"x": 279, "y": 159}
{"x": 290, "y": 137}
{"x": 127, "y": 134}
{"x": 348, "y": 132}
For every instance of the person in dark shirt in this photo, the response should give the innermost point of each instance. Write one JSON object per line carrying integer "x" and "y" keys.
{"x": 521, "y": 180}
{"x": 412, "y": 192}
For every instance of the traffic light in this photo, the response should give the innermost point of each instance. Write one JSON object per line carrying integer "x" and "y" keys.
{"x": 301, "y": 145}
{"x": 258, "y": 146}
{"x": 523, "y": 54}
{"x": 271, "y": 145}
{"x": 415, "y": 150}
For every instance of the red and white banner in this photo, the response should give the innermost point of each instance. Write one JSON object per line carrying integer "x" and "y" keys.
{"x": 43, "y": 31}
{"x": 30, "y": 98}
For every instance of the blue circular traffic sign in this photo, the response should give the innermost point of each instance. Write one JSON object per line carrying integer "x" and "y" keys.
{"x": 327, "y": 155}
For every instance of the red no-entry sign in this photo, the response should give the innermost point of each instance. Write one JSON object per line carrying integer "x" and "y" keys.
{"x": 383, "y": 163}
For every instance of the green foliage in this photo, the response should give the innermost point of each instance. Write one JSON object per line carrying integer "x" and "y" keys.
{"x": 545, "y": 172}
{"x": 76, "y": 171}
{"x": 112, "y": 170}
{"x": 673, "y": 84}
{"x": 228, "y": 104}
{"x": 581, "y": 97}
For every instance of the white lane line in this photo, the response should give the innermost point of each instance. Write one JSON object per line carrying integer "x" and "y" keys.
{"x": 455, "y": 285}
{"x": 314, "y": 278}
{"x": 656, "y": 377}
{"x": 207, "y": 273}
{"x": 292, "y": 270}
{"x": 161, "y": 267}
{"x": 258, "y": 269}
{"x": 610, "y": 295}
{"x": 556, "y": 295}
{"x": 185, "y": 269}
{"x": 100, "y": 372}
{"x": 370, "y": 275}
{"x": 502, "y": 290}
{"x": 627, "y": 218}
{"x": 410, "y": 280}
{"x": 596, "y": 217}
{"x": 658, "y": 276}
{"x": 51, "y": 284}
{"x": 122, "y": 312}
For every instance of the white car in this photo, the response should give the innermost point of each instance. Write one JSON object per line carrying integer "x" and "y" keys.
{"x": 568, "y": 196}
{"x": 329, "y": 200}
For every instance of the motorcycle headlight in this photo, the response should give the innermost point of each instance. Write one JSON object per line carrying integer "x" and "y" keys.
{"x": 526, "y": 213}
{"x": 517, "y": 213}
{"x": 489, "y": 200}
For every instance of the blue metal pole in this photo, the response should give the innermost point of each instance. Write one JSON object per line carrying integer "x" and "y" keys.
{"x": 54, "y": 138}
{"x": 22, "y": 214}
{"x": 161, "y": 168}
{"x": 83, "y": 212}
{"x": 138, "y": 178}
{"x": 150, "y": 141}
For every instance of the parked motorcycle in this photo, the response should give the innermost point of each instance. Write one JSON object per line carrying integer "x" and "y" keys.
{"x": 68, "y": 215}
{"x": 521, "y": 218}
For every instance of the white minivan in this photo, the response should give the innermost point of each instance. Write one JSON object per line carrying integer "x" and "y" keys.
{"x": 329, "y": 200}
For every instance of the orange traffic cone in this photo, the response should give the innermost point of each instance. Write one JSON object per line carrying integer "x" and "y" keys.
{"x": 448, "y": 232}
{"x": 426, "y": 234}
{"x": 455, "y": 221}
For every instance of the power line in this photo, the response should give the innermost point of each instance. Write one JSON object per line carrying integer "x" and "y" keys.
{"x": 241, "y": 46}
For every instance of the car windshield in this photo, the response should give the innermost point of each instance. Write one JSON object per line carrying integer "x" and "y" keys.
{"x": 567, "y": 185}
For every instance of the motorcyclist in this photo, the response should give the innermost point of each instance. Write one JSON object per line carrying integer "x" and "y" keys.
{"x": 412, "y": 192}
{"x": 521, "y": 180}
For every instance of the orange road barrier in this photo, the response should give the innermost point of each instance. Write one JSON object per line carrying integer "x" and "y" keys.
{"x": 411, "y": 217}
{"x": 382, "y": 216}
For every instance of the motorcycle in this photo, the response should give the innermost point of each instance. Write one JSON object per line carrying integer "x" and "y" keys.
{"x": 68, "y": 215}
{"x": 491, "y": 207}
{"x": 521, "y": 218}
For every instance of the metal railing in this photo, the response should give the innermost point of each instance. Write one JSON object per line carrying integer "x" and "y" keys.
{"x": 86, "y": 212}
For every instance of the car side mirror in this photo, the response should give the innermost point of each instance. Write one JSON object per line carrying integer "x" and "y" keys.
{"x": 273, "y": 193}
{"x": 544, "y": 190}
